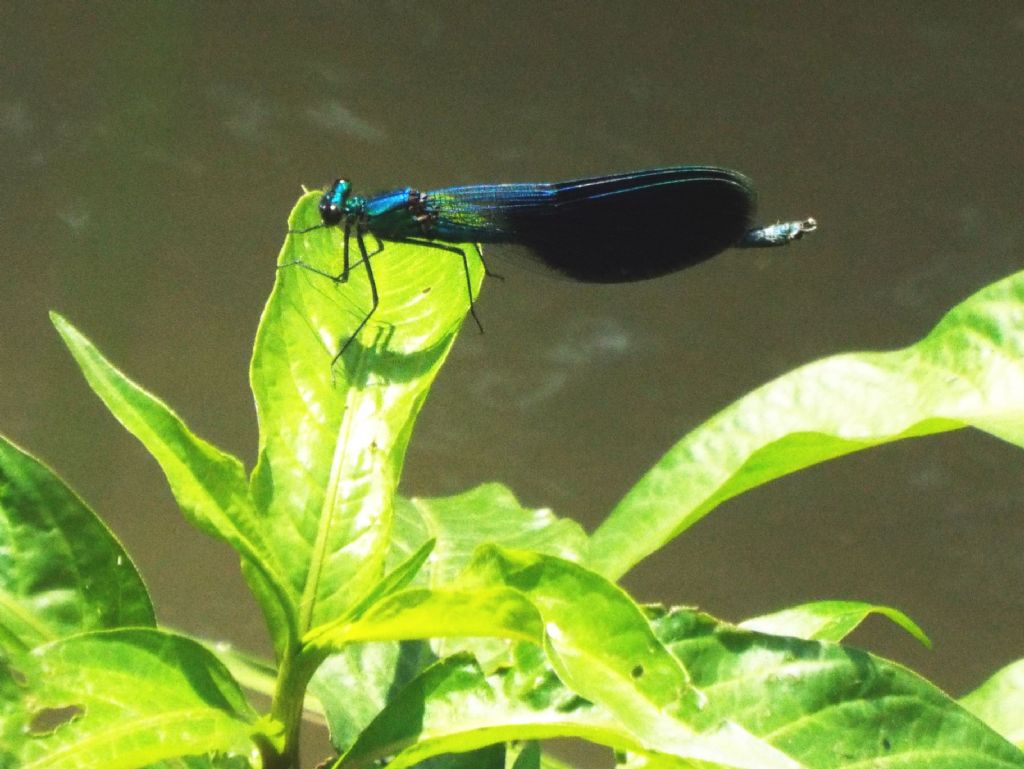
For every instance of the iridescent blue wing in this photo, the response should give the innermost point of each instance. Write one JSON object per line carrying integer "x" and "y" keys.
{"x": 606, "y": 229}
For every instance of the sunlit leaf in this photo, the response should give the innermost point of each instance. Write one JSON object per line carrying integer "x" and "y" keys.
{"x": 208, "y": 484}
{"x": 424, "y": 613}
{"x": 601, "y": 645}
{"x": 827, "y": 705}
{"x": 488, "y": 514}
{"x": 377, "y": 671}
{"x": 123, "y": 699}
{"x": 454, "y": 707}
{"x": 333, "y": 437}
{"x": 61, "y": 569}
{"x": 396, "y": 579}
{"x": 969, "y": 371}
{"x": 828, "y": 620}
{"x": 999, "y": 702}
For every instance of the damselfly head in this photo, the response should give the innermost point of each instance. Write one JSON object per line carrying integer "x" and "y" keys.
{"x": 332, "y": 204}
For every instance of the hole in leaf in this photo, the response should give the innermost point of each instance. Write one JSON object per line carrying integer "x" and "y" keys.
{"x": 572, "y": 703}
{"x": 48, "y": 720}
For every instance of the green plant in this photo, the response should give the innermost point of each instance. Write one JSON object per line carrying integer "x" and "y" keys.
{"x": 464, "y": 629}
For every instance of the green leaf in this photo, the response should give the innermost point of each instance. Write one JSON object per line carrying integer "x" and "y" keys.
{"x": 396, "y": 579}
{"x": 826, "y": 705}
{"x": 488, "y": 514}
{"x": 527, "y": 755}
{"x": 828, "y": 621}
{"x": 208, "y": 484}
{"x": 999, "y": 702}
{"x": 602, "y": 646}
{"x": 61, "y": 569}
{"x": 333, "y": 439}
{"x": 372, "y": 669}
{"x": 251, "y": 672}
{"x": 600, "y": 641}
{"x": 377, "y": 671}
{"x": 607, "y": 654}
{"x": 127, "y": 698}
{"x": 454, "y": 707}
{"x": 969, "y": 371}
{"x": 13, "y": 714}
{"x": 446, "y": 612}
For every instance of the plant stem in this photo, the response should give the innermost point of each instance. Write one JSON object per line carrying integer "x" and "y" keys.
{"x": 297, "y": 667}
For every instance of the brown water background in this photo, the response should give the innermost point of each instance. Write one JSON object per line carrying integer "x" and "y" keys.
{"x": 149, "y": 153}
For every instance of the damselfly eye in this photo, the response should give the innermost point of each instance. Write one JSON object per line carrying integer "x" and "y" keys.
{"x": 331, "y": 211}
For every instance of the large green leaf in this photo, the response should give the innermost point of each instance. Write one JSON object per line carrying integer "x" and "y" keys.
{"x": 61, "y": 569}
{"x": 333, "y": 438}
{"x": 458, "y": 524}
{"x": 601, "y": 645}
{"x": 828, "y": 706}
{"x": 969, "y": 371}
{"x": 606, "y": 653}
{"x": 453, "y": 706}
{"x": 999, "y": 702}
{"x": 123, "y": 699}
{"x": 599, "y": 640}
{"x": 208, "y": 484}
{"x": 488, "y": 514}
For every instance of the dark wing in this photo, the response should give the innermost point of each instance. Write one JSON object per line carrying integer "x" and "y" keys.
{"x": 607, "y": 229}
